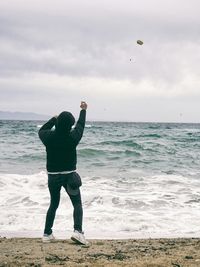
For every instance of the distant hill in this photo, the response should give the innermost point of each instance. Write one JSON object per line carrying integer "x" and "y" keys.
{"x": 7, "y": 115}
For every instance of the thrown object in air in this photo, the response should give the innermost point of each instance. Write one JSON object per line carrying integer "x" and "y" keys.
{"x": 139, "y": 42}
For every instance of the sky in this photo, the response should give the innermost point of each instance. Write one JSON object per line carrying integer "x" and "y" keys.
{"x": 55, "y": 53}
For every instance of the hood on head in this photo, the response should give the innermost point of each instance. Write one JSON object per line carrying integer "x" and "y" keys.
{"x": 65, "y": 121}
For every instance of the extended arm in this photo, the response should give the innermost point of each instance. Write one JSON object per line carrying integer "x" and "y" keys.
{"x": 77, "y": 132}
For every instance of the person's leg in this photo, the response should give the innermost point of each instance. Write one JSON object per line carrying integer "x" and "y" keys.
{"x": 78, "y": 211}
{"x": 54, "y": 189}
{"x": 75, "y": 197}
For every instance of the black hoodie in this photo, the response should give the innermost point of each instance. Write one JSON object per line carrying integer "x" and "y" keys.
{"x": 61, "y": 143}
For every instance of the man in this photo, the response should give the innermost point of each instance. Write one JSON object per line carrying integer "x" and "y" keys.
{"x": 61, "y": 146}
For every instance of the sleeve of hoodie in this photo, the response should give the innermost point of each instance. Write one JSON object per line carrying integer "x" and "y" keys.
{"x": 77, "y": 132}
{"x": 45, "y": 132}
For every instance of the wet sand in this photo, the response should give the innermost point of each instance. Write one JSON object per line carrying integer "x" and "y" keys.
{"x": 183, "y": 252}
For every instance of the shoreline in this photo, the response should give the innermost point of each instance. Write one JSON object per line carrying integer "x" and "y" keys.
{"x": 161, "y": 252}
{"x": 63, "y": 235}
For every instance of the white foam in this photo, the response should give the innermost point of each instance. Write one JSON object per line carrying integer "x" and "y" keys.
{"x": 153, "y": 206}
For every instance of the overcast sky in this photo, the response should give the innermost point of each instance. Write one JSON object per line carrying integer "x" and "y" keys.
{"x": 55, "y": 53}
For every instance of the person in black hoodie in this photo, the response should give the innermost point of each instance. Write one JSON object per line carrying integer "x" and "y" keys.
{"x": 61, "y": 162}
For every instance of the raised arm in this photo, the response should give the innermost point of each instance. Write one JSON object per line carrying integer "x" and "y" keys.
{"x": 77, "y": 132}
{"x": 45, "y": 131}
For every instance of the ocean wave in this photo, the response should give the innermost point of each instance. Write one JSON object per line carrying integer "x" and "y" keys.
{"x": 135, "y": 177}
{"x": 116, "y": 154}
{"x": 88, "y": 126}
{"x": 133, "y": 206}
{"x": 87, "y": 152}
{"x": 129, "y": 143}
{"x": 150, "y": 135}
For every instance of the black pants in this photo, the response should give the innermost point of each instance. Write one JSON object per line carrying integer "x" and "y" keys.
{"x": 55, "y": 182}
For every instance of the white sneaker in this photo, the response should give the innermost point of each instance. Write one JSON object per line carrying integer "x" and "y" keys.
{"x": 48, "y": 238}
{"x": 79, "y": 238}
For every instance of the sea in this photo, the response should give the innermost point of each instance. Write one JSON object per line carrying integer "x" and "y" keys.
{"x": 140, "y": 180}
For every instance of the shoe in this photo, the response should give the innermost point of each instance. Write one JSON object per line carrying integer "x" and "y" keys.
{"x": 79, "y": 238}
{"x": 48, "y": 238}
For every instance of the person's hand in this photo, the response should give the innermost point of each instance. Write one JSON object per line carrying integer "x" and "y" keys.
{"x": 83, "y": 105}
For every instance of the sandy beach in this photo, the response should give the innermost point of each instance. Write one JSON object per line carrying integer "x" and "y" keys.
{"x": 183, "y": 252}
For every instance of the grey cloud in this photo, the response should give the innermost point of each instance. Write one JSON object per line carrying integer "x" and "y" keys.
{"x": 98, "y": 39}
{"x": 100, "y": 47}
